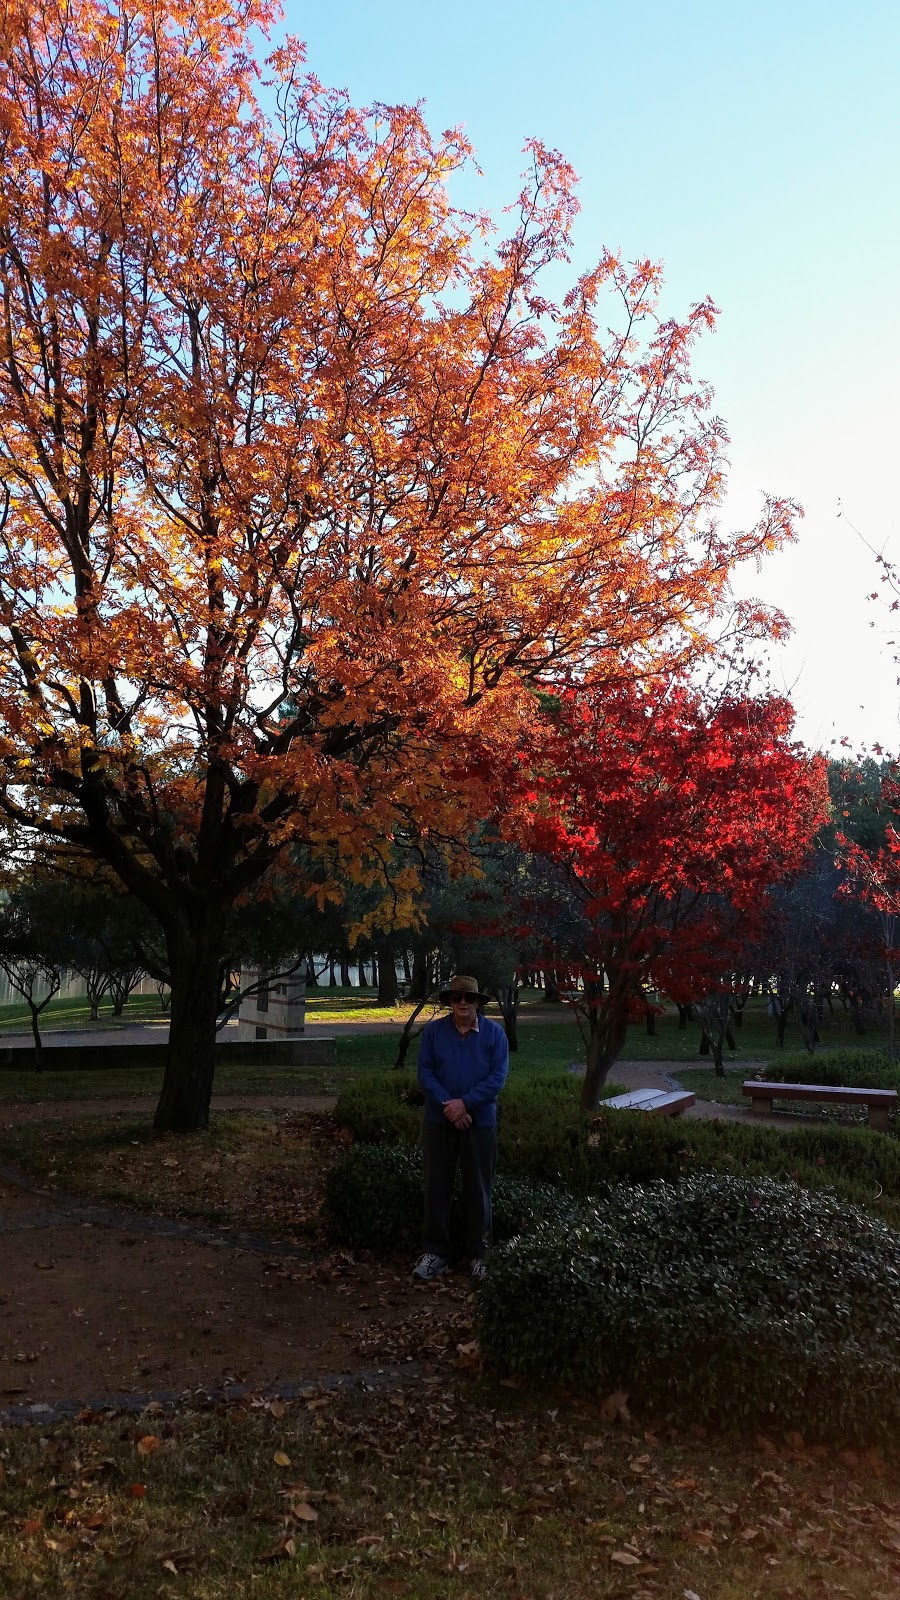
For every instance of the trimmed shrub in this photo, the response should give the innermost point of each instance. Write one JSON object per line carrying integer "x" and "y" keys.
{"x": 546, "y": 1139}
{"x": 382, "y": 1108}
{"x": 374, "y": 1200}
{"x": 740, "y": 1303}
{"x": 851, "y": 1069}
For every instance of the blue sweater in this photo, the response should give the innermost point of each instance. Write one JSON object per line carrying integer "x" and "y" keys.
{"x": 470, "y": 1067}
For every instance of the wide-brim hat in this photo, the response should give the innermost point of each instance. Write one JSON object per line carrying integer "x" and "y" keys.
{"x": 462, "y": 983}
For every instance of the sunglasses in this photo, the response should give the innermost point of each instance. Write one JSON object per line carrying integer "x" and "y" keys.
{"x": 463, "y": 999}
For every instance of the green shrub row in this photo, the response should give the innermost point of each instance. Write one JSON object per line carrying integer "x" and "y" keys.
{"x": 853, "y": 1069}
{"x": 374, "y": 1199}
{"x": 546, "y": 1139}
{"x": 741, "y": 1303}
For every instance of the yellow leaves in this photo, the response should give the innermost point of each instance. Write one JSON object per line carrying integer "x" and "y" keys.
{"x": 148, "y": 1445}
{"x": 281, "y": 1459}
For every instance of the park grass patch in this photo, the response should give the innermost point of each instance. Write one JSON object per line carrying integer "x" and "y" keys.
{"x": 113, "y": 1083}
{"x": 431, "y": 1489}
{"x": 707, "y": 1085}
{"x": 259, "y": 1172}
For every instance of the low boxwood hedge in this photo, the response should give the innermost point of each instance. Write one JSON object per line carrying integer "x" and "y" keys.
{"x": 743, "y": 1303}
{"x": 546, "y": 1139}
{"x": 854, "y": 1069}
{"x": 374, "y": 1197}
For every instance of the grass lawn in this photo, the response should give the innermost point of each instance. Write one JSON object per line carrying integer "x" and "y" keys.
{"x": 76, "y": 1013}
{"x": 448, "y": 1486}
{"x": 544, "y": 1046}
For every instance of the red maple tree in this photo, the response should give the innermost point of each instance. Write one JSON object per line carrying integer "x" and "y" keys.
{"x": 658, "y": 806}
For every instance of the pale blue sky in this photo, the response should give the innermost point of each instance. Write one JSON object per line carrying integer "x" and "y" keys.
{"x": 753, "y": 148}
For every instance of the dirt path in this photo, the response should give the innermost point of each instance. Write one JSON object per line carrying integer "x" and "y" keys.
{"x": 97, "y": 1302}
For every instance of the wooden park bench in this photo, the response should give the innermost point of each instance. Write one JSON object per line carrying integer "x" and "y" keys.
{"x": 880, "y": 1102}
{"x": 656, "y": 1102}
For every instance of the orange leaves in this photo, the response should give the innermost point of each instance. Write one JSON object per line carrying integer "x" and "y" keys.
{"x": 306, "y": 486}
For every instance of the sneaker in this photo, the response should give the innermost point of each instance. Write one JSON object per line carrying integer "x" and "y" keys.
{"x": 479, "y": 1268}
{"x": 430, "y": 1266}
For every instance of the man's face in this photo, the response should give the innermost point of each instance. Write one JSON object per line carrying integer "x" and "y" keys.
{"x": 464, "y": 1007}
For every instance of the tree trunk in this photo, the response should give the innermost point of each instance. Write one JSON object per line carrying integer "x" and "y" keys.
{"x": 603, "y": 1049}
{"x": 651, "y": 1024}
{"x": 332, "y": 975}
{"x": 36, "y": 1033}
{"x": 419, "y": 983}
{"x": 194, "y": 962}
{"x": 407, "y": 969}
{"x": 345, "y": 974}
{"x": 685, "y": 1015}
{"x": 388, "y": 990}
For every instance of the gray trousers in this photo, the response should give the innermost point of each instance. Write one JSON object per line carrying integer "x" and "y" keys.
{"x": 474, "y": 1151}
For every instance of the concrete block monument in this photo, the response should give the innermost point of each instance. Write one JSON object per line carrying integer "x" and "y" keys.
{"x": 276, "y": 1011}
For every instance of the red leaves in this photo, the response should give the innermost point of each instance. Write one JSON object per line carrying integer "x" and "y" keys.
{"x": 664, "y": 809}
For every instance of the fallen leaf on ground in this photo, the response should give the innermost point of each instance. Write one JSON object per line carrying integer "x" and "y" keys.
{"x": 624, "y": 1558}
{"x": 148, "y": 1444}
{"x": 615, "y": 1407}
{"x": 284, "y": 1550}
{"x": 137, "y": 1491}
{"x": 304, "y": 1512}
{"x": 280, "y": 1459}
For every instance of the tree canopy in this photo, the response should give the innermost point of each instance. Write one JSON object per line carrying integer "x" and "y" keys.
{"x": 301, "y": 470}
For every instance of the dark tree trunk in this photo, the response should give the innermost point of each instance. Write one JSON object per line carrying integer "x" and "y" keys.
{"x": 345, "y": 974}
{"x": 388, "y": 990}
{"x": 685, "y": 1015}
{"x": 332, "y": 976}
{"x": 651, "y": 1024}
{"x": 603, "y": 1048}
{"x": 407, "y": 969}
{"x": 420, "y": 977}
{"x": 362, "y": 975}
{"x": 552, "y": 996}
{"x": 194, "y": 963}
{"x": 704, "y": 1044}
{"x": 312, "y": 981}
{"x": 36, "y": 1035}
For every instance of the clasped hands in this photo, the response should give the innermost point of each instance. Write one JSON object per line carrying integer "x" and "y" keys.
{"x": 456, "y": 1113}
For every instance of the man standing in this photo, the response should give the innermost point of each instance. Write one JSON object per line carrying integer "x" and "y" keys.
{"x": 463, "y": 1063}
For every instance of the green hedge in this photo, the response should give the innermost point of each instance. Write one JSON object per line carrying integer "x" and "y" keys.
{"x": 374, "y": 1196}
{"x": 381, "y": 1107}
{"x": 546, "y": 1139}
{"x": 742, "y": 1303}
{"x": 853, "y": 1069}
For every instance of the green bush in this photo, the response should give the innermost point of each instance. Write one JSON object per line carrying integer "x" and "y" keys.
{"x": 853, "y": 1069}
{"x": 546, "y": 1139}
{"x": 382, "y": 1108}
{"x": 742, "y": 1303}
{"x": 386, "y": 1107}
{"x": 374, "y": 1198}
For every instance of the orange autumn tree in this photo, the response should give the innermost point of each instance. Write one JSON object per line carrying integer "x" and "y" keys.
{"x": 301, "y": 473}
